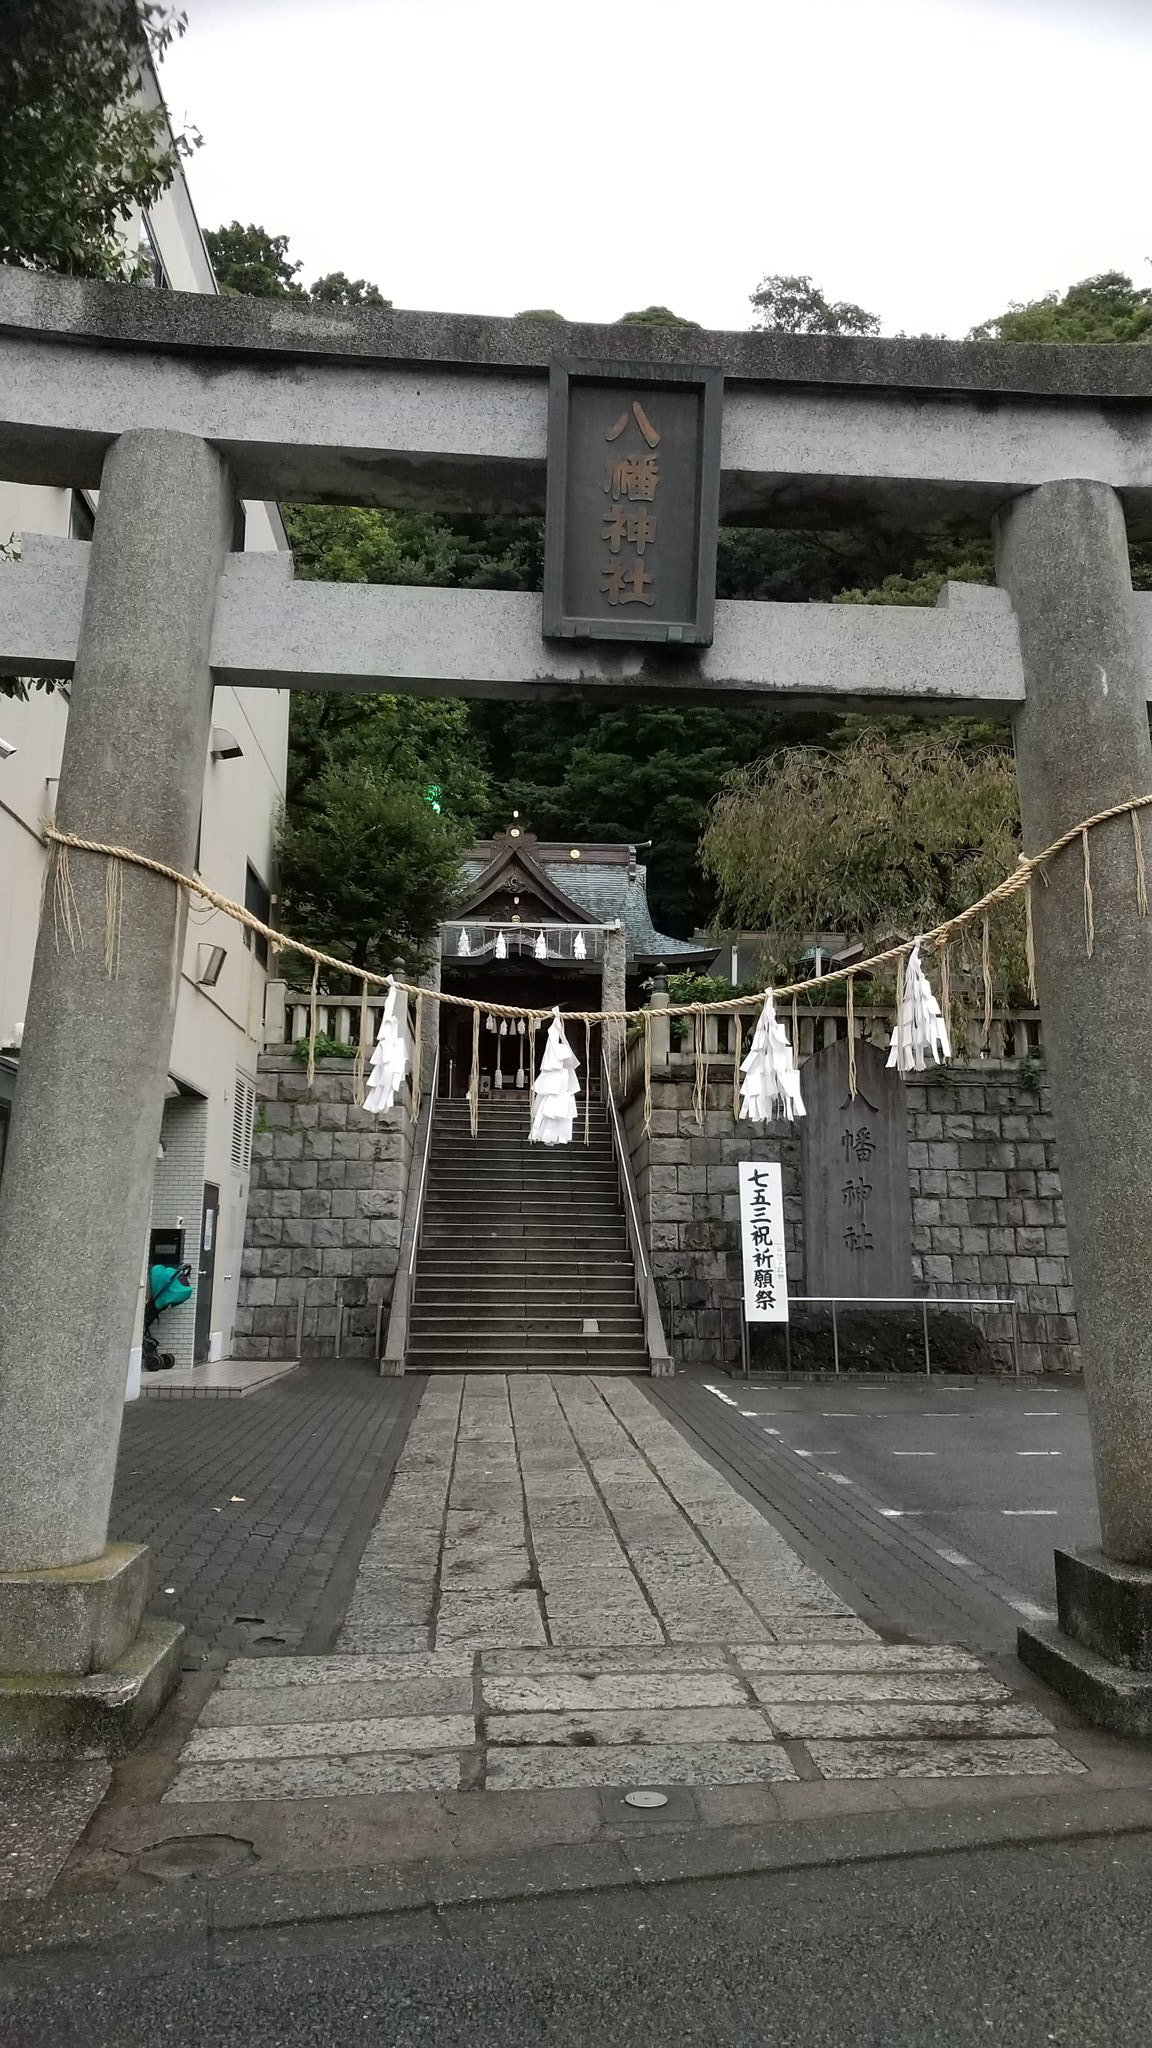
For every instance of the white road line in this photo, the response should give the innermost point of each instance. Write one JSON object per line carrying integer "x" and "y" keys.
{"x": 1031, "y": 1611}
{"x": 952, "y": 1556}
{"x": 841, "y": 1414}
{"x": 1041, "y": 1411}
{"x": 839, "y": 1478}
{"x": 800, "y": 1454}
{"x": 749, "y": 1414}
{"x": 898, "y": 1514}
{"x": 1029, "y": 1511}
{"x": 914, "y": 1454}
{"x": 771, "y": 1432}
{"x": 721, "y": 1396}
{"x": 1039, "y": 1454}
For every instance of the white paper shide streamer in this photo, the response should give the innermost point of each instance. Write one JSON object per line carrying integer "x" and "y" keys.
{"x": 771, "y": 1084}
{"x": 501, "y": 948}
{"x": 919, "y": 1032}
{"x": 540, "y": 949}
{"x": 463, "y": 944}
{"x": 389, "y": 1059}
{"x": 579, "y": 949}
{"x": 555, "y": 1089}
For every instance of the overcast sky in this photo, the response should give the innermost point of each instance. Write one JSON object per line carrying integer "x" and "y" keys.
{"x": 931, "y": 159}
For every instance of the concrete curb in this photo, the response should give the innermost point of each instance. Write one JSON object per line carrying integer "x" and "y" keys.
{"x": 235, "y": 1919}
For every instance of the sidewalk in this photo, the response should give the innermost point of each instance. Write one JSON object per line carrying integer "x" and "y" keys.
{"x": 563, "y": 1600}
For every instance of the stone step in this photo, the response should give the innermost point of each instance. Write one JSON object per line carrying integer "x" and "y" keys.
{"x": 441, "y": 1258}
{"x": 582, "y": 1355}
{"x": 550, "y": 1231}
{"x": 522, "y": 1303}
{"x": 467, "y": 1330}
{"x": 563, "y": 1202}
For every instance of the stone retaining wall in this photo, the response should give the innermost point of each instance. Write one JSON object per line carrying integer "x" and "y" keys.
{"x": 984, "y": 1189}
{"x": 324, "y": 1213}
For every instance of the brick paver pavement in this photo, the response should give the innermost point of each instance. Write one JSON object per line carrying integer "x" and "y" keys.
{"x": 268, "y": 1572}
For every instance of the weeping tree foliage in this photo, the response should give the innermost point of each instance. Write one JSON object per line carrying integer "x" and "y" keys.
{"x": 890, "y": 835}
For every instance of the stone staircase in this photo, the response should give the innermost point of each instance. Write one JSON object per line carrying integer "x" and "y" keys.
{"x": 524, "y": 1258}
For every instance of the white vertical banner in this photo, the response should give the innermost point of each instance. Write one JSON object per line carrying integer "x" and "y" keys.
{"x": 762, "y": 1243}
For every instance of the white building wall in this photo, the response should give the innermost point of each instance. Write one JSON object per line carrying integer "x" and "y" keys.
{"x": 217, "y": 1033}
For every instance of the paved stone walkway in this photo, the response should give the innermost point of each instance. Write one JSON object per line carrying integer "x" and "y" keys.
{"x": 561, "y": 1592}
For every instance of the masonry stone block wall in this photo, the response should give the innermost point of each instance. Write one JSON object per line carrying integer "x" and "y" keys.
{"x": 324, "y": 1213}
{"x": 984, "y": 1188}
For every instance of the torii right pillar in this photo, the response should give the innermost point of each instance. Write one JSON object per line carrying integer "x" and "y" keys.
{"x": 1082, "y": 744}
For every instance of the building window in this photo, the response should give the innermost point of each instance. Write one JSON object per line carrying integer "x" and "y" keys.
{"x": 81, "y": 520}
{"x": 259, "y": 902}
{"x": 152, "y": 271}
{"x": 243, "y": 1111}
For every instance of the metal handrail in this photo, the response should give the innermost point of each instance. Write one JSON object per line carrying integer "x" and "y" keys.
{"x": 625, "y": 1178}
{"x": 659, "y": 1356}
{"x": 423, "y": 1183}
{"x": 392, "y": 1359}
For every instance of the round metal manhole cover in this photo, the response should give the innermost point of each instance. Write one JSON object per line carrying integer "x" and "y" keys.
{"x": 645, "y": 1799}
{"x": 195, "y": 1856}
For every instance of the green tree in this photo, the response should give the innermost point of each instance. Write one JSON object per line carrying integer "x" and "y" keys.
{"x": 655, "y": 316}
{"x": 368, "y": 868}
{"x": 886, "y": 837}
{"x": 248, "y": 261}
{"x": 795, "y": 305}
{"x": 1100, "y": 309}
{"x": 79, "y": 149}
{"x": 338, "y": 290}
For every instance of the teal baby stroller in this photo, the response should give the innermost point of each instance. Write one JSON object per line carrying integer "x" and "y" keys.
{"x": 168, "y": 1286}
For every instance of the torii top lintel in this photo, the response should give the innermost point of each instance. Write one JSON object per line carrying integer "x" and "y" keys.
{"x": 450, "y": 410}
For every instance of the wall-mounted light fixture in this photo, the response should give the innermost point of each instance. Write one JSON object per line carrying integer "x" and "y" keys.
{"x": 6, "y": 750}
{"x": 209, "y": 961}
{"x": 224, "y": 745}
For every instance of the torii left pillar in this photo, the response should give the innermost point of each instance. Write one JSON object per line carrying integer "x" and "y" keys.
{"x": 89, "y": 1099}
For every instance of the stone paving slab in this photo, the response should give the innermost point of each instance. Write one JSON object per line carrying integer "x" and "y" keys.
{"x": 253, "y": 1706}
{"x": 879, "y": 1718}
{"x": 315, "y": 1778}
{"x": 757, "y": 1657}
{"x": 1008, "y": 1759}
{"x": 674, "y": 1726}
{"x": 414, "y": 1732}
{"x": 832, "y": 1688}
{"x": 494, "y": 1645}
{"x": 570, "y": 1691}
{"x": 654, "y": 1658}
{"x": 655, "y": 1765}
{"x": 346, "y": 1670}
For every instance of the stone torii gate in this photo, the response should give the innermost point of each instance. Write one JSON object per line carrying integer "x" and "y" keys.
{"x": 173, "y": 406}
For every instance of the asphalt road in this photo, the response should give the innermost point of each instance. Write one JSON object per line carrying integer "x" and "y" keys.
{"x": 997, "y": 1473}
{"x": 1021, "y": 1948}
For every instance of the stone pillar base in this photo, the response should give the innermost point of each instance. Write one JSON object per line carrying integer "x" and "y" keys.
{"x": 102, "y": 1713}
{"x": 73, "y": 1618}
{"x": 1100, "y": 1656}
{"x": 81, "y": 1671}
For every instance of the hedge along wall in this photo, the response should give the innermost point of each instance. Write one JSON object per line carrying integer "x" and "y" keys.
{"x": 983, "y": 1186}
